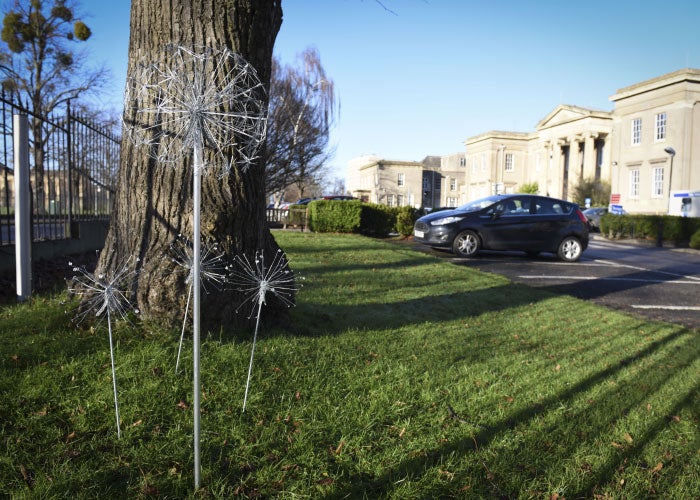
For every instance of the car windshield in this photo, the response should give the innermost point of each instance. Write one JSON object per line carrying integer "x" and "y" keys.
{"x": 475, "y": 205}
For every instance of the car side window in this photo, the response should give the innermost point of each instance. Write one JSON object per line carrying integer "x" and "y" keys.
{"x": 544, "y": 207}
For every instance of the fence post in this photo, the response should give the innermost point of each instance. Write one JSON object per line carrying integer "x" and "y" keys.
{"x": 69, "y": 147}
{"x": 23, "y": 222}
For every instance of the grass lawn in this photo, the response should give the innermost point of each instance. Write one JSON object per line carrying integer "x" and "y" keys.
{"x": 404, "y": 376}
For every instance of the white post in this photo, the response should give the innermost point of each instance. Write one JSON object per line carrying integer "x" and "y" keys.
{"x": 23, "y": 222}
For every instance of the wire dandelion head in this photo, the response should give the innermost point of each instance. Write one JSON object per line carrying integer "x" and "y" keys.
{"x": 213, "y": 265}
{"x": 203, "y": 97}
{"x": 256, "y": 280}
{"x": 105, "y": 294}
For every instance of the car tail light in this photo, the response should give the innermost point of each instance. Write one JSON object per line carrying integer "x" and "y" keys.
{"x": 581, "y": 216}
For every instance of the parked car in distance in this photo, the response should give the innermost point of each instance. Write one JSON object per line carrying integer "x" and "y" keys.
{"x": 339, "y": 197}
{"x": 525, "y": 222}
{"x": 594, "y": 214}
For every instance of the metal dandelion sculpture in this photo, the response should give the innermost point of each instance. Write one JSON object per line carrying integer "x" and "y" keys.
{"x": 213, "y": 273}
{"x": 104, "y": 295}
{"x": 202, "y": 100}
{"x": 256, "y": 280}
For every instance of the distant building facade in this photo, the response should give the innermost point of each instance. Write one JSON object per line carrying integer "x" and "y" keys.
{"x": 647, "y": 147}
{"x": 433, "y": 182}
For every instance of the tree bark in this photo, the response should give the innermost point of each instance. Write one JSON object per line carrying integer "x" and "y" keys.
{"x": 153, "y": 202}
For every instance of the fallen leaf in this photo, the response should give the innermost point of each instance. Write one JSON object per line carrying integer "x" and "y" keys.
{"x": 70, "y": 437}
{"x": 137, "y": 423}
{"x": 182, "y": 405}
{"x": 676, "y": 418}
{"x": 557, "y": 368}
{"x": 297, "y": 395}
{"x": 403, "y": 431}
{"x": 628, "y": 438}
{"x": 657, "y": 468}
{"x": 339, "y": 448}
{"x": 617, "y": 445}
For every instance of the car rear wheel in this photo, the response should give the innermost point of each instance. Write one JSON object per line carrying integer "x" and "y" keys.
{"x": 570, "y": 249}
{"x": 466, "y": 244}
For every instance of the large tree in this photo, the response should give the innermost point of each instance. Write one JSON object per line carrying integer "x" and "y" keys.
{"x": 153, "y": 202}
{"x": 41, "y": 66}
{"x": 303, "y": 107}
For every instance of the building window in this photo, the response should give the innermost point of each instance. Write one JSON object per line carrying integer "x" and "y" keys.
{"x": 453, "y": 184}
{"x": 657, "y": 184}
{"x": 426, "y": 183}
{"x": 660, "y": 127}
{"x": 451, "y": 201}
{"x": 483, "y": 162}
{"x": 462, "y": 162}
{"x": 390, "y": 199}
{"x": 509, "y": 162}
{"x": 636, "y": 131}
{"x": 401, "y": 181}
{"x": 634, "y": 183}
{"x": 399, "y": 200}
{"x": 473, "y": 164}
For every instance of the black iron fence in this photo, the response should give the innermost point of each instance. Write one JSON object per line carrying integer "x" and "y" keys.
{"x": 73, "y": 165}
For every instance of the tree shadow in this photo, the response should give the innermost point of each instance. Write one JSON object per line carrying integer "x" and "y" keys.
{"x": 610, "y": 407}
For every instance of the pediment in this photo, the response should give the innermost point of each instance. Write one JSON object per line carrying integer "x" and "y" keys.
{"x": 566, "y": 114}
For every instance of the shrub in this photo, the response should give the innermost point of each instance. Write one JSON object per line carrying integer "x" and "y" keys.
{"x": 334, "y": 216}
{"x": 405, "y": 219}
{"x": 377, "y": 220}
{"x": 695, "y": 240}
{"x": 530, "y": 188}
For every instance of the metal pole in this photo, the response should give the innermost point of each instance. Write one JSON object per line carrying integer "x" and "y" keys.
{"x": 23, "y": 222}
{"x": 196, "y": 237}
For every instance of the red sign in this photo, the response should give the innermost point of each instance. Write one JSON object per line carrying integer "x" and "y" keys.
{"x": 614, "y": 198}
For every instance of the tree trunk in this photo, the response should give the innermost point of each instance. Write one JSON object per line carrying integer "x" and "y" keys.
{"x": 153, "y": 202}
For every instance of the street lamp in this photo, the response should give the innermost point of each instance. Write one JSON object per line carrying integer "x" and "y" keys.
{"x": 671, "y": 152}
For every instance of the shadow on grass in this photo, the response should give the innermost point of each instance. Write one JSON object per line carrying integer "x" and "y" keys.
{"x": 317, "y": 319}
{"x": 612, "y": 406}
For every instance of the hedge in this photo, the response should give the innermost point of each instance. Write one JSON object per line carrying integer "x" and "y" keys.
{"x": 357, "y": 217}
{"x": 660, "y": 228}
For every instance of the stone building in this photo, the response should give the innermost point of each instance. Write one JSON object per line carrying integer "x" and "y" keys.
{"x": 647, "y": 149}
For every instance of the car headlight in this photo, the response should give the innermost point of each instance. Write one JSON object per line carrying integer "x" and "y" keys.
{"x": 445, "y": 220}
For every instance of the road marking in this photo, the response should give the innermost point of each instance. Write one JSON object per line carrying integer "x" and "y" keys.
{"x": 589, "y": 278}
{"x": 671, "y": 308}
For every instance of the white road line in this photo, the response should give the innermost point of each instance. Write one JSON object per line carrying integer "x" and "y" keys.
{"x": 612, "y": 278}
{"x": 671, "y": 308}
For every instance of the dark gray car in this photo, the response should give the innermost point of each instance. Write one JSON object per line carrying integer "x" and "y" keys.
{"x": 529, "y": 223}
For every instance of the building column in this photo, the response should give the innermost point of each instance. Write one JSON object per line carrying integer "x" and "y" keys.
{"x": 589, "y": 156}
{"x": 574, "y": 161}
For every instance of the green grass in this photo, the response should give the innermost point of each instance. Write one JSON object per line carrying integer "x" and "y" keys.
{"x": 403, "y": 376}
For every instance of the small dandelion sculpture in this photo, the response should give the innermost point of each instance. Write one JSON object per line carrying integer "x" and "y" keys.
{"x": 202, "y": 99}
{"x": 104, "y": 295}
{"x": 213, "y": 272}
{"x": 255, "y": 281}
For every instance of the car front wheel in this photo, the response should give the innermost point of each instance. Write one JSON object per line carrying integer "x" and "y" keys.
{"x": 570, "y": 249}
{"x": 466, "y": 244}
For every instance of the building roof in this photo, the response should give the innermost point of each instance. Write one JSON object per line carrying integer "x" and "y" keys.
{"x": 682, "y": 75}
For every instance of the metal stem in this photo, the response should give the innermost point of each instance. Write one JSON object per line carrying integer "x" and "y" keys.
{"x": 184, "y": 322}
{"x": 114, "y": 373}
{"x": 197, "y": 194}
{"x": 252, "y": 354}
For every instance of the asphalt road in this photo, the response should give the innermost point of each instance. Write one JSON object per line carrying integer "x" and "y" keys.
{"x": 656, "y": 283}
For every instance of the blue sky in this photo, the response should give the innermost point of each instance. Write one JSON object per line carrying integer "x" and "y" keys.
{"x": 422, "y": 78}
